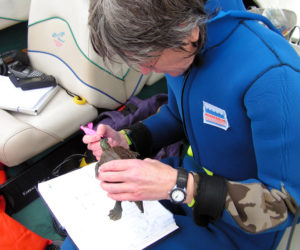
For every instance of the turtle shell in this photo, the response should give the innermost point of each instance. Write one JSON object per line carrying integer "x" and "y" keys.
{"x": 114, "y": 153}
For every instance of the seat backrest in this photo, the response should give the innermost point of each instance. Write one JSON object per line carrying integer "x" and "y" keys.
{"x": 59, "y": 44}
{"x": 13, "y": 11}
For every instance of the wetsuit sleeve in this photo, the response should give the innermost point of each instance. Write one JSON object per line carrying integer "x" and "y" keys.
{"x": 267, "y": 203}
{"x": 159, "y": 130}
{"x": 166, "y": 126}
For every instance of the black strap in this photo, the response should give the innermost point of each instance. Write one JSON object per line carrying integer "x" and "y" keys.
{"x": 141, "y": 139}
{"x": 182, "y": 178}
{"x": 129, "y": 108}
{"x": 210, "y": 199}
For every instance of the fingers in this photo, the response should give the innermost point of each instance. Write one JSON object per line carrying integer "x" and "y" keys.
{"x": 117, "y": 180}
{"x": 150, "y": 160}
{"x": 112, "y": 176}
{"x": 105, "y": 130}
{"x": 118, "y": 171}
{"x": 102, "y": 130}
{"x": 121, "y": 191}
{"x": 97, "y": 154}
{"x": 93, "y": 141}
{"x": 96, "y": 149}
{"x": 119, "y": 177}
{"x": 94, "y": 146}
{"x": 91, "y": 138}
{"x": 114, "y": 188}
{"x": 134, "y": 179}
{"x": 119, "y": 165}
{"x": 124, "y": 197}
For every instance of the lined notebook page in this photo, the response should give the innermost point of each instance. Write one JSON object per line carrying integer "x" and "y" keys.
{"x": 82, "y": 207}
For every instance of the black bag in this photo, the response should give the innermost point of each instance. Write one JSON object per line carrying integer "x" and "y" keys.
{"x": 21, "y": 189}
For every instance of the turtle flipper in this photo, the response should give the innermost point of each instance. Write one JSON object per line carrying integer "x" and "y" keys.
{"x": 116, "y": 212}
{"x": 140, "y": 205}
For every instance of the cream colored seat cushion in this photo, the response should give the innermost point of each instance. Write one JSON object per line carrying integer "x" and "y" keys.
{"x": 24, "y": 136}
{"x": 295, "y": 243}
{"x": 13, "y": 11}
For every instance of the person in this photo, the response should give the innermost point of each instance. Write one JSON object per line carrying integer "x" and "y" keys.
{"x": 233, "y": 93}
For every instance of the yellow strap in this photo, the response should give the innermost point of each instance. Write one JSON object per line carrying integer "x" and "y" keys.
{"x": 127, "y": 138}
{"x": 208, "y": 172}
{"x": 190, "y": 153}
{"x": 192, "y": 203}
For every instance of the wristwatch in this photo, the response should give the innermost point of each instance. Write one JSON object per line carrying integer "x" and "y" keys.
{"x": 178, "y": 192}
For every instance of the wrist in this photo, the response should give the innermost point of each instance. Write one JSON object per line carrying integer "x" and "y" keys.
{"x": 178, "y": 194}
{"x": 190, "y": 190}
{"x": 125, "y": 133}
{"x": 141, "y": 139}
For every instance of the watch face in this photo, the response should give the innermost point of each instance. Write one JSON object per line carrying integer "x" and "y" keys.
{"x": 178, "y": 195}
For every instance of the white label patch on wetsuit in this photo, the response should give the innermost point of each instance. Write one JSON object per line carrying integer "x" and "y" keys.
{"x": 215, "y": 116}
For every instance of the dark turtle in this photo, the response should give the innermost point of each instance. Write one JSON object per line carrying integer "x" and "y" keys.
{"x": 114, "y": 153}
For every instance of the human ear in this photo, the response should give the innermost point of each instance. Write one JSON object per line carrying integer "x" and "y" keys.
{"x": 194, "y": 37}
{"x": 191, "y": 40}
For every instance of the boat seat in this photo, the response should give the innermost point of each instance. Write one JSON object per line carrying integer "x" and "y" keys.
{"x": 295, "y": 243}
{"x": 13, "y": 12}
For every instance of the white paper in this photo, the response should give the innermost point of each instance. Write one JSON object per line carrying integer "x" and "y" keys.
{"x": 27, "y": 101}
{"x": 82, "y": 207}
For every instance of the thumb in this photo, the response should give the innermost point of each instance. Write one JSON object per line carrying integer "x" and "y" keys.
{"x": 102, "y": 130}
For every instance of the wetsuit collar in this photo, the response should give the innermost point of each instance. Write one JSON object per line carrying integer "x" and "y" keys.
{"x": 224, "y": 23}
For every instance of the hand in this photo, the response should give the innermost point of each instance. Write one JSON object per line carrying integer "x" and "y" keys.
{"x": 135, "y": 179}
{"x": 114, "y": 137}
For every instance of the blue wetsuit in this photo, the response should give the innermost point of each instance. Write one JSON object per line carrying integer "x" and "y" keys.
{"x": 241, "y": 114}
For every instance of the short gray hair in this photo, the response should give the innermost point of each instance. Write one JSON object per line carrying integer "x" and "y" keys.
{"x": 135, "y": 29}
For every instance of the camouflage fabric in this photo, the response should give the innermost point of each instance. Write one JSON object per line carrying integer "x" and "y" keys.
{"x": 255, "y": 208}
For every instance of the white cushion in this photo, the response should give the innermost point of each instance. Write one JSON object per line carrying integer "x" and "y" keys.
{"x": 13, "y": 11}
{"x": 295, "y": 243}
{"x": 24, "y": 136}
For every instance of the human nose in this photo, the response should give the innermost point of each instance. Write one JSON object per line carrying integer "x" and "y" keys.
{"x": 145, "y": 70}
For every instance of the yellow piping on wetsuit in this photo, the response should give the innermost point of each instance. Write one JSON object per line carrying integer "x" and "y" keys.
{"x": 190, "y": 153}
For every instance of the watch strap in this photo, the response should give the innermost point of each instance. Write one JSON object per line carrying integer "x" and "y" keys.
{"x": 182, "y": 178}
